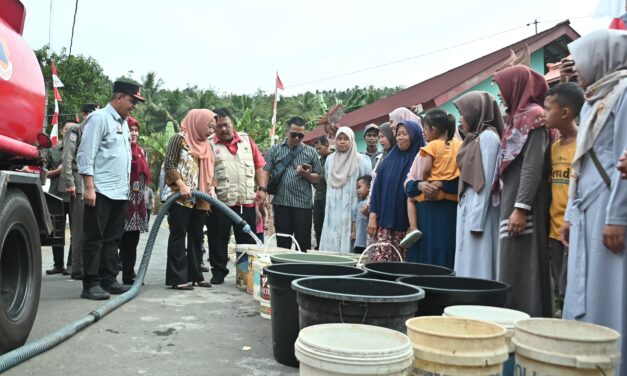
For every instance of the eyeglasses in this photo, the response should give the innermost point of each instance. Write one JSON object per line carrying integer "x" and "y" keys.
{"x": 297, "y": 135}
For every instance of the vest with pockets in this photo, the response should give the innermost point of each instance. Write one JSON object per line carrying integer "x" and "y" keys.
{"x": 235, "y": 174}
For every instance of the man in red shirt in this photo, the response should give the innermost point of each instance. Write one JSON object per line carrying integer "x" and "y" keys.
{"x": 240, "y": 184}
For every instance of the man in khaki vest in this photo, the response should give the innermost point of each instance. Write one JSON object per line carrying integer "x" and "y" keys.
{"x": 241, "y": 183}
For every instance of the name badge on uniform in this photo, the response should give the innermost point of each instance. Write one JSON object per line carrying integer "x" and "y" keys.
{"x": 118, "y": 127}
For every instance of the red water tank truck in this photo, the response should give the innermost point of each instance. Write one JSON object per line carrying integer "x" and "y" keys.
{"x": 29, "y": 217}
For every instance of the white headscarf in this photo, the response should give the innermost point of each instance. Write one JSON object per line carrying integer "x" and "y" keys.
{"x": 601, "y": 58}
{"x": 344, "y": 164}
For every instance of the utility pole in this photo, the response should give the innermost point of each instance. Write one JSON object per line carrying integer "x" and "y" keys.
{"x": 535, "y": 22}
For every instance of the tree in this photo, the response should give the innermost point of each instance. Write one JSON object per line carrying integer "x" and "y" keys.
{"x": 83, "y": 79}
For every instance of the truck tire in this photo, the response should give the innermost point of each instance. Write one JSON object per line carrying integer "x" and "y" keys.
{"x": 20, "y": 269}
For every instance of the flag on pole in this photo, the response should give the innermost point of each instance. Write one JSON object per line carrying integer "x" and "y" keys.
{"x": 278, "y": 86}
{"x": 54, "y": 133}
{"x": 56, "y": 82}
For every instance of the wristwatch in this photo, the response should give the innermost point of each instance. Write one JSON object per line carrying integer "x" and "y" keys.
{"x": 262, "y": 189}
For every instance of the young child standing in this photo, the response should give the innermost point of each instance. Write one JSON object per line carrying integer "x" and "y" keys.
{"x": 436, "y": 162}
{"x": 561, "y": 106}
{"x": 360, "y": 220}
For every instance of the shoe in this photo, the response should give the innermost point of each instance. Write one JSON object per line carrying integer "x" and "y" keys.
{"x": 217, "y": 280}
{"x": 204, "y": 268}
{"x": 201, "y": 284}
{"x": 77, "y": 276}
{"x": 95, "y": 293}
{"x": 55, "y": 270}
{"x": 411, "y": 238}
{"x": 184, "y": 287}
{"x": 116, "y": 288}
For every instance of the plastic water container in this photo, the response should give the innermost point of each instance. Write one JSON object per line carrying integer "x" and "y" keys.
{"x": 456, "y": 346}
{"x": 501, "y": 316}
{"x": 565, "y": 347}
{"x": 353, "y": 349}
{"x": 242, "y": 266}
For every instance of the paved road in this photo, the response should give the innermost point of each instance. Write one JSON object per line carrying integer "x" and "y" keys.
{"x": 160, "y": 332}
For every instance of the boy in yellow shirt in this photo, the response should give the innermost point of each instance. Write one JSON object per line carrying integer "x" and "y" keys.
{"x": 562, "y": 105}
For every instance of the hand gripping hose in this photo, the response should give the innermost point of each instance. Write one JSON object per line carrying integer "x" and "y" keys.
{"x": 44, "y": 344}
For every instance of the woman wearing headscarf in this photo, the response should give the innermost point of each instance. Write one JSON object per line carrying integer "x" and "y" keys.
{"x": 189, "y": 165}
{"x": 597, "y": 209}
{"x": 401, "y": 115}
{"x": 136, "y": 213}
{"x": 388, "y": 203}
{"x": 342, "y": 169}
{"x": 522, "y": 187}
{"x": 477, "y": 219}
{"x": 387, "y": 141}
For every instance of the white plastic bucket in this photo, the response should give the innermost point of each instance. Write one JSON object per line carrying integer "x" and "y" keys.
{"x": 264, "y": 287}
{"x": 352, "y": 349}
{"x": 456, "y": 346}
{"x": 564, "y": 347}
{"x": 242, "y": 265}
{"x": 260, "y": 262}
{"x": 501, "y": 316}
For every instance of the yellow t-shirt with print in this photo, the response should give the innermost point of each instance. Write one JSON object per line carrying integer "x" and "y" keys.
{"x": 444, "y": 165}
{"x": 561, "y": 166}
{"x": 444, "y": 159}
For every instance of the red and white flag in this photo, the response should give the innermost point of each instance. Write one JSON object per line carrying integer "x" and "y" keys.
{"x": 279, "y": 84}
{"x": 56, "y": 84}
{"x": 54, "y": 133}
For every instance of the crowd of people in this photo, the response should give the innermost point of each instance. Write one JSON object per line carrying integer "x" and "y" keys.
{"x": 526, "y": 190}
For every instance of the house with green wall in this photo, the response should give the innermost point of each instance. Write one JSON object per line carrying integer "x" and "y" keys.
{"x": 546, "y": 47}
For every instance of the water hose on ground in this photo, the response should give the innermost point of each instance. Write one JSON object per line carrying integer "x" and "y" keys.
{"x": 32, "y": 349}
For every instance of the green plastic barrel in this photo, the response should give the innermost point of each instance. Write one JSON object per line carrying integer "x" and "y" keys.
{"x": 308, "y": 258}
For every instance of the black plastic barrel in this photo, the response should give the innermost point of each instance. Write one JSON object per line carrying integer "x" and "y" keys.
{"x": 391, "y": 271}
{"x": 284, "y": 306}
{"x": 323, "y": 300}
{"x": 445, "y": 291}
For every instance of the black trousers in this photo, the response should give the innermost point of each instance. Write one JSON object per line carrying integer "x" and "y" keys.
{"x": 184, "y": 262}
{"x": 293, "y": 221}
{"x": 59, "y": 250}
{"x": 103, "y": 226}
{"x": 318, "y": 219}
{"x": 220, "y": 227}
{"x": 128, "y": 254}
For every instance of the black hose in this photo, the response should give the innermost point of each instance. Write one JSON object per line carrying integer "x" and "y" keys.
{"x": 30, "y": 350}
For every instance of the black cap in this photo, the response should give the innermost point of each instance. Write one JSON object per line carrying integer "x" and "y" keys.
{"x": 89, "y": 107}
{"x": 129, "y": 88}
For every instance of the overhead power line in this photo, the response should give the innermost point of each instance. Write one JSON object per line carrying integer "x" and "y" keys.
{"x": 426, "y": 53}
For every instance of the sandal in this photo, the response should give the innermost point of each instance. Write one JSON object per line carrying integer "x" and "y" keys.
{"x": 183, "y": 287}
{"x": 201, "y": 284}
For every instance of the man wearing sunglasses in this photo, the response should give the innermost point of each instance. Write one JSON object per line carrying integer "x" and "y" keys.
{"x": 293, "y": 200}
{"x": 104, "y": 161}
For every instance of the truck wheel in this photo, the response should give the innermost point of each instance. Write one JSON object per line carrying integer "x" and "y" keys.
{"x": 20, "y": 269}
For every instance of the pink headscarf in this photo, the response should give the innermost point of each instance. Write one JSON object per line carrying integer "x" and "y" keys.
{"x": 523, "y": 91}
{"x": 196, "y": 131}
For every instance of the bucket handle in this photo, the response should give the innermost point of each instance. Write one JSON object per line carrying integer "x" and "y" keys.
{"x": 400, "y": 258}
{"x": 362, "y": 305}
{"x": 282, "y": 235}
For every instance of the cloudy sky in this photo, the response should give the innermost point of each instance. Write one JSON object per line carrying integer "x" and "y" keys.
{"x": 236, "y": 46}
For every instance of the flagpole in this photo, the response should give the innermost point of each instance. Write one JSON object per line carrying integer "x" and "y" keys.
{"x": 274, "y": 111}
